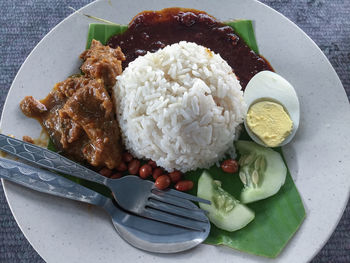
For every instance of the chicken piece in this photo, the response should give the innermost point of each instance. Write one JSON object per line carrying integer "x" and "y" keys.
{"x": 69, "y": 130}
{"x": 28, "y": 139}
{"x": 102, "y": 62}
{"x": 92, "y": 109}
{"x": 78, "y": 113}
{"x": 32, "y": 107}
{"x": 64, "y": 132}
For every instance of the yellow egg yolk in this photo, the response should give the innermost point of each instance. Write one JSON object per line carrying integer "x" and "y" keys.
{"x": 270, "y": 122}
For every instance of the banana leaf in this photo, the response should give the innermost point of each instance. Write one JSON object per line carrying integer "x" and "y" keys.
{"x": 244, "y": 28}
{"x": 276, "y": 218}
{"x": 103, "y": 32}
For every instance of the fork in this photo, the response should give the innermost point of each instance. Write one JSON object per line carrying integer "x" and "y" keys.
{"x": 140, "y": 232}
{"x": 131, "y": 193}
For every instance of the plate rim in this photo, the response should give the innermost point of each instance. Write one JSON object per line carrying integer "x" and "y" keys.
{"x": 4, "y": 182}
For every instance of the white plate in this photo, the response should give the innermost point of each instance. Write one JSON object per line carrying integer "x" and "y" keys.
{"x": 64, "y": 231}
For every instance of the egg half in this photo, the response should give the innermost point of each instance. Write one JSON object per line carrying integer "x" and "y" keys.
{"x": 267, "y": 86}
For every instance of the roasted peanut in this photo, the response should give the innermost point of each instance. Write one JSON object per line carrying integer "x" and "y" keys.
{"x": 116, "y": 175}
{"x": 175, "y": 176}
{"x": 122, "y": 167}
{"x": 229, "y": 166}
{"x": 157, "y": 172}
{"x": 127, "y": 157}
{"x": 145, "y": 171}
{"x": 184, "y": 185}
{"x": 162, "y": 182}
{"x": 105, "y": 172}
{"x": 133, "y": 166}
{"x": 152, "y": 164}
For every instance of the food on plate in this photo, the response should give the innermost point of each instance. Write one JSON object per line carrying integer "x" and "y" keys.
{"x": 273, "y": 109}
{"x": 262, "y": 171}
{"x": 229, "y": 166}
{"x": 145, "y": 171}
{"x": 175, "y": 176}
{"x": 158, "y": 171}
{"x": 184, "y": 185}
{"x": 163, "y": 181}
{"x": 179, "y": 107}
{"x": 270, "y": 122}
{"x": 225, "y": 211}
{"x": 134, "y": 166}
{"x": 102, "y": 62}
{"x": 79, "y": 114}
{"x": 151, "y": 30}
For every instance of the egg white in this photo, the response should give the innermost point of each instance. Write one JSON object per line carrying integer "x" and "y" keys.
{"x": 267, "y": 85}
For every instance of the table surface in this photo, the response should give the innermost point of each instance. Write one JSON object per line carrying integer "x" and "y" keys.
{"x": 25, "y": 23}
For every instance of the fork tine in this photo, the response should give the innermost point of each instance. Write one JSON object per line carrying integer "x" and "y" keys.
{"x": 178, "y": 211}
{"x": 173, "y": 200}
{"x": 182, "y": 195}
{"x": 174, "y": 220}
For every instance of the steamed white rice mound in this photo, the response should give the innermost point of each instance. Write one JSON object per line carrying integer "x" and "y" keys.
{"x": 179, "y": 106}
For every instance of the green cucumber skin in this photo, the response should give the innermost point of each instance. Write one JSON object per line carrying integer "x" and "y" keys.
{"x": 237, "y": 218}
{"x": 274, "y": 176}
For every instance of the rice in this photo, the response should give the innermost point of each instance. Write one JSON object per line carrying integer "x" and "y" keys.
{"x": 179, "y": 106}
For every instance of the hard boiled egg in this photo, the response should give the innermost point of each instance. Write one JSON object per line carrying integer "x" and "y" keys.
{"x": 273, "y": 109}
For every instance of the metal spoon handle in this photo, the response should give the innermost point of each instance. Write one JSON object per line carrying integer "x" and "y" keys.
{"x": 47, "y": 159}
{"x": 48, "y": 182}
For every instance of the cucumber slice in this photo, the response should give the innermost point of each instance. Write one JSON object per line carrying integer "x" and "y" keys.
{"x": 225, "y": 211}
{"x": 262, "y": 171}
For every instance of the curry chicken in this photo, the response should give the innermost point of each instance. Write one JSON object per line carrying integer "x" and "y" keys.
{"x": 79, "y": 114}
